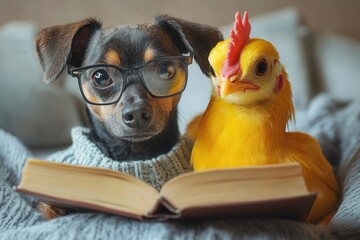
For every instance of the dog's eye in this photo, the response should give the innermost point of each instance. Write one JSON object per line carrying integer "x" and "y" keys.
{"x": 166, "y": 70}
{"x": 101, "y": 78}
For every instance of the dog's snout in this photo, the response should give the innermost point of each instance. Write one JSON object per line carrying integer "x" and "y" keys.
{"x": 137, "y": 116}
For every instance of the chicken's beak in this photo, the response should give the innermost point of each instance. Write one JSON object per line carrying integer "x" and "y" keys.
{"x": 231, "y": 85}
{"x": 226, "y": 87}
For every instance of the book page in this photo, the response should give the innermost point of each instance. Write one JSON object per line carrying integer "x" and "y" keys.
{"x": 95, "y": 186}
{"x": 227, "y": 186}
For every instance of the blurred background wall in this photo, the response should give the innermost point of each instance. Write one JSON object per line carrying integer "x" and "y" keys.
{"x": 328, "y": 15}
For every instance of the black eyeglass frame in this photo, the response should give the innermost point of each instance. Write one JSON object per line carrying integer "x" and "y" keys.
{"x": 76, "y": 72}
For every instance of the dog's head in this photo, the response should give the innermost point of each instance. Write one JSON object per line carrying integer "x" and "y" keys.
{"x": 131, "y": 76}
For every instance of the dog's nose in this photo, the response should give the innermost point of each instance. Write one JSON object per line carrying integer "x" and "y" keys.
{"x": 137, "y": 115}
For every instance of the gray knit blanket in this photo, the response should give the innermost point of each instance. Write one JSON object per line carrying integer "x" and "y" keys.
{"x": 336, "y": 125}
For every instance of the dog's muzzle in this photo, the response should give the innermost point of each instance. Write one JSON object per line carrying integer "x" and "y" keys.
{"x": 137, "y": 115}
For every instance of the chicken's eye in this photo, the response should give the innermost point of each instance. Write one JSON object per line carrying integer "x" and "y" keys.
{"x": 262, "y": 68}
{"x": 212, "y": 72}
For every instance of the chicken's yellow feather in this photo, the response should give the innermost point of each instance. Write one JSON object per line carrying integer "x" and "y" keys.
{"x": 248, "y": 127}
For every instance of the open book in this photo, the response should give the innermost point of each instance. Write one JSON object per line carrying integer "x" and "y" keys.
{"x": 262, "y": 191}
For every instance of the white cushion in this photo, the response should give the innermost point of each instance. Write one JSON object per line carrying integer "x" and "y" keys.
{"x": 338, "y": 65}
{"x": 40, "y": 115}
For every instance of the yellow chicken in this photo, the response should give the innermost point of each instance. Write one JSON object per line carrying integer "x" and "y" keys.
{"x": 245, "y": 121}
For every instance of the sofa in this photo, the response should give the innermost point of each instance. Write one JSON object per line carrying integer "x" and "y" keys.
{"x": 36, "y": 120}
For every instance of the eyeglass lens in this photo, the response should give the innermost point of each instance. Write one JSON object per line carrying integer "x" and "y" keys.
{"x": 161, "y": 78}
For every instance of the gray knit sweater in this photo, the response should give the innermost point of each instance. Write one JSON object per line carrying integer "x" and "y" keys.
{"x": 335, "y": 125}
{"x": 156, "y": 171}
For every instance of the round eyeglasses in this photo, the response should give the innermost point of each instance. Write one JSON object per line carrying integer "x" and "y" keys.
{"x": 103, "y": 84}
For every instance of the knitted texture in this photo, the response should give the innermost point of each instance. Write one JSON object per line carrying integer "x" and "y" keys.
{"x": 14, "y": 210}
{"x": 334, "y": 125}
{"x": 156, "y": 171}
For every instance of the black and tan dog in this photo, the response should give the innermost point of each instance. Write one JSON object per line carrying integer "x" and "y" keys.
{"x": 131, "y": 77}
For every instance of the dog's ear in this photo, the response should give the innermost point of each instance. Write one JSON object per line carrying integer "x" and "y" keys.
{"x": 62, "y": 44}
{"x": 194, "y": 37}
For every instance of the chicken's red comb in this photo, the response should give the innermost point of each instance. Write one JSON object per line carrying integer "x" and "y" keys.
{"x": 239, "y": 35}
